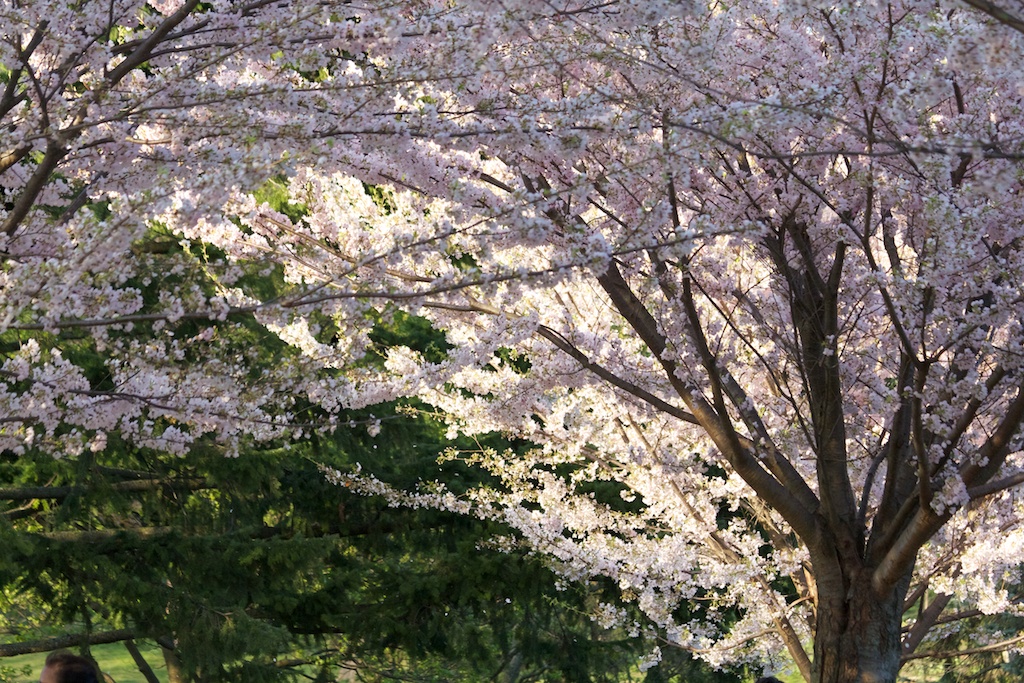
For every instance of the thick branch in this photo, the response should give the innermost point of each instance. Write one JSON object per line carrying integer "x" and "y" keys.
{"x": 144, "y": 668}
{"x": 814, "y": 307}
{"x": 98, "y": 535}
{"x": 569, "y": 349}
{"x": 11, "y": 97}
{"x": 987, "y": 489}
{"x": 717, "y": 427}
{"x": 27, "y": 199}
{"x": 994, "y": 647}
{"x": 145, "y": 49}
{"x": 61, "y": 492}
{"x": 998, "y": 13}
{"x": 924, "y": 623}
{"x": 993, "y": 452}
{"x": 903, "y": 553}
{"x": 69, "y": 640}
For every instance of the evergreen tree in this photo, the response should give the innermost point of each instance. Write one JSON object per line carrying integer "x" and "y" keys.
{"x": 256, "y": 568}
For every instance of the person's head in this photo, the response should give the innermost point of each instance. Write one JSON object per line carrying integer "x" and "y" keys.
{"x": 65, "y": 667}
{"x": 768, "y": 679}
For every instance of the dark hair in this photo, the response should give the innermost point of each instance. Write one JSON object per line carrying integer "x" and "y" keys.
{"x": 72, "y": 668}
{"x": 768, "y": 679}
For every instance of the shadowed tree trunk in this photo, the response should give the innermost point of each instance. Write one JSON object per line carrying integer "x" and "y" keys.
{"x": 857, "y": 634}
{"x": 144, "y": 668}
{"x": 175, "y": 672}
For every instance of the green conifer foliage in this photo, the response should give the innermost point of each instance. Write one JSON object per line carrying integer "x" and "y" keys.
{"x": 255, "y": 568}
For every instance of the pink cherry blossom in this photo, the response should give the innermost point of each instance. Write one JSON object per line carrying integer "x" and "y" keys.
{"x": 760, "y": 264}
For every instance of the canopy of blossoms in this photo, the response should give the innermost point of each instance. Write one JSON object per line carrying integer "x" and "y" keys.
{"x": 758, "y": 264}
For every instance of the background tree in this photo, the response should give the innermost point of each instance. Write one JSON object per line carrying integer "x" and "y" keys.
{"x": 255, "y": 568}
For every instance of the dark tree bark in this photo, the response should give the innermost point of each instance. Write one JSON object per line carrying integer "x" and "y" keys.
{"x": 66, "y": 641}
{"x": 175, "y": 672}
{"x": 144, "y": 668}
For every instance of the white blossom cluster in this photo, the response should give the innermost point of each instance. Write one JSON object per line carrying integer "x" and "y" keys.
{"x": 746, "y": 276}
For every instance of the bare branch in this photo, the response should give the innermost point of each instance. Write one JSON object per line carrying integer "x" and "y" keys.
{"x": 993, "y": 647}
{"x": 998, "y": 13}
{"x": 65, "y": 641}
{"x": 133, "y": 486}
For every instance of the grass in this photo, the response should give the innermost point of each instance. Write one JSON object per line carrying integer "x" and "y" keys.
{"x": 113, "y": 659}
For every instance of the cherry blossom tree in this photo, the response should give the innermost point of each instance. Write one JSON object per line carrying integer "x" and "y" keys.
{"x": 758, "y": 265}
{"x": 126, "y": 124}
{"x": 752, "y": 267}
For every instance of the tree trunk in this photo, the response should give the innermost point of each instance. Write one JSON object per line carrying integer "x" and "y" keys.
{"x": 175, "y": 672}
{"x": 144, "y": 668}
{"x": 857, "y": 639}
